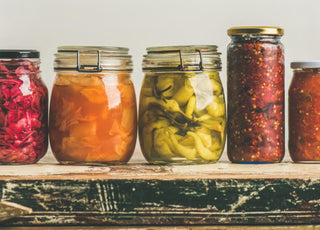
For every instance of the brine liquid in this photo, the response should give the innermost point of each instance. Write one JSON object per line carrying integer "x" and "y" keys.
{"x": 93, "y": 118}
{"x": 182, "y": 117}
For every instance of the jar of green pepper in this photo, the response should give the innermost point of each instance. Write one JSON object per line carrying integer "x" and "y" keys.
{"x": 182, "y": 116}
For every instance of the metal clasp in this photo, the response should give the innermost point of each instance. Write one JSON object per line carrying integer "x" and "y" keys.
{"x": 181, "y": 66}
{"x": 88, "y": 68}
{"x": 201, "y": 62}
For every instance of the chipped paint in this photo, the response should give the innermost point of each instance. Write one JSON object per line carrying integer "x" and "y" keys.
{"x": 165, "y": 195}
{"x": 165, "y": 202}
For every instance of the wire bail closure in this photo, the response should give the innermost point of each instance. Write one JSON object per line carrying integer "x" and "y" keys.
{"x": 93, "y": 68}
{"x": 92, "y": 59}
{"x": 84, "y": 68}
{"x": 181, "y": 66}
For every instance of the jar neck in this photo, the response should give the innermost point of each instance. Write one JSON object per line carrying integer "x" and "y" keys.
{"x": 102, "y": 73}
{"x": 308, "y": 70}
{"x": 20, "y": 65}
{"x": 256, "y": 38}
{"x": 179, "y": 72}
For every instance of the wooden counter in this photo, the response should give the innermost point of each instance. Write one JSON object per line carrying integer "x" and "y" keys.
{"x": 141, "y": 194}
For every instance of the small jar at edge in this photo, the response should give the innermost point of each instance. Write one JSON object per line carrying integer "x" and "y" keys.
{"x": 182, "y": 109}
{"x": 93, "y": 114}
{"x": 255, "y": 72}
{"x": 304, "y": 112}
{"x": 23, "y": 108}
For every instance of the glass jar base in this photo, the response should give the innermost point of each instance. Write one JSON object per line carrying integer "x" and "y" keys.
{"x": 91, "y": 163}
{"x": 307, "y": 162}
{"x": 180, "y": 161}
{"x": 252, "y": 162}
{"x": 18, "y": 163}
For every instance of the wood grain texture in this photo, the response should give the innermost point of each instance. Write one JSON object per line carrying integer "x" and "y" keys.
{"x": 220, "y": 227}
{"x": 139, "y": 194}
{"x": 220, "y": 170}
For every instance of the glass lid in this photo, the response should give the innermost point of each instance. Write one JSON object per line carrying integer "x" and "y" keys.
{"x": 182, "y": 58}
{"x": 92, "y": 58}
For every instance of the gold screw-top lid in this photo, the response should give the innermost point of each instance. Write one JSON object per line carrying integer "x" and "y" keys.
{"x": 256, "y": 30}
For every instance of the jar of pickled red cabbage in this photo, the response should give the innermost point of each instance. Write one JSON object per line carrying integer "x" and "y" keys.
{"x": 23, "y": 108}
{"x": 255, "y": 72}
{"x": 304, "y": 117}
{"x": 182, "y": 115}
{"x": 93, "y": 114}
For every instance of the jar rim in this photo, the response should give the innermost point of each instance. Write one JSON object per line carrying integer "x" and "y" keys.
{"x": 93, "y": 58}
{"x": 305, "y": 64}
{"x": 182, "y": 58}
{"x": 106, "y": 49}
{"x": 185, "y": 48}
{"x": 255, "y": 30}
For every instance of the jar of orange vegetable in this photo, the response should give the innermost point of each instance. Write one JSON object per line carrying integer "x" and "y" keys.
{"x": 93, "y": 114}
{"x": 304, "y": 112}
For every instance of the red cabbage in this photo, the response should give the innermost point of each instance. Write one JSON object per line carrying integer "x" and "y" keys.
{"x": 23, "y": 112}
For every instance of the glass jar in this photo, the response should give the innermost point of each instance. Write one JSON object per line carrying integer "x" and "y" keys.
{"x": 182, "y": 109}
{"x": 255, "y": 72}
{"x": 93, "y": 114}
{"x": 304, "y": 112}
{"x": 23, "y": 108}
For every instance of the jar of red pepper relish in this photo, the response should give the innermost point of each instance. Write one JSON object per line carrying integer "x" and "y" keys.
{"x": 304, "y": 112}
{"x": 255, "y": 85}
{"x": 23, "y": 108}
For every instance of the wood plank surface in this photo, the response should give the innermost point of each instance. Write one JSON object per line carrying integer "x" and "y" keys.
{"x": 135, "y": 170}
{"x": 138, "y": 194}
{"x": 221, "y": 227}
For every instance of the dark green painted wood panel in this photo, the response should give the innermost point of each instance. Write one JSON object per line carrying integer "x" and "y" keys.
{"x": 164, "y": 202}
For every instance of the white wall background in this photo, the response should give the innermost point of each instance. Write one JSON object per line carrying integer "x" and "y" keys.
{"x": 137, "y": 24}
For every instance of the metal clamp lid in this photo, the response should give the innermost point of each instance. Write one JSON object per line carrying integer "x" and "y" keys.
{"x": 84, "y": 68}
{"x": 93, "y": 58}
{"x": 181, "y": 66}
{"x": 188, "y": 58}
{"x": 19, "y": 54}
{"x": 305, "y": 64}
